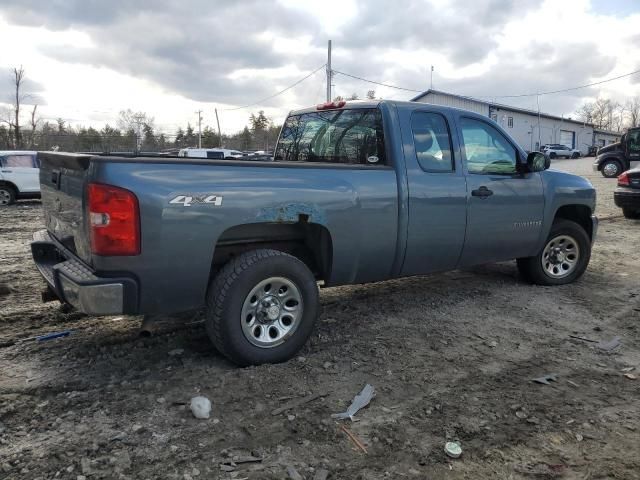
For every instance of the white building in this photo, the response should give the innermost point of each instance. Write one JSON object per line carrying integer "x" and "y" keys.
{"x": 527, "y": 127}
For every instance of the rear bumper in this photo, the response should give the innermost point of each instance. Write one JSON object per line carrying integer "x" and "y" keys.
{"x": 75, "y": 283}
{"x": 627, "y": 198}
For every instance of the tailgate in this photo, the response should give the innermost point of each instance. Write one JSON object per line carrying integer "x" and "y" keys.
{"x": 62, "y": 183}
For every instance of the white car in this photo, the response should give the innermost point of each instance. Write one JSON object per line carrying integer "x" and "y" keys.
{"x": 19, "y": 176}
{"x": 553, "y": 151}
{"x": 214, "y": 153}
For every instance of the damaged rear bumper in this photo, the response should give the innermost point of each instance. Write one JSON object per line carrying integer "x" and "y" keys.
{"x": 73, "y": 282}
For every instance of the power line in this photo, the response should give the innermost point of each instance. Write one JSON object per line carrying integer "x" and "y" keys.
{"x": 278, "y": 93}
{"x": 377, "y": 83}
{"x": 569, "y": 89}
{"x": 498, "y": 96}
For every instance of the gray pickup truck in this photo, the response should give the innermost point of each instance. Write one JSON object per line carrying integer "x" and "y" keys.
{"x": 357, "y": 192}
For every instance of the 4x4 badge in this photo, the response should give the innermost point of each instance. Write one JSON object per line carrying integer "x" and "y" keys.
{"x": 188, "y": 200}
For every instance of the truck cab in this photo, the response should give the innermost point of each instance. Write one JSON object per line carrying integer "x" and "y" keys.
{"x": 621, "y": 156}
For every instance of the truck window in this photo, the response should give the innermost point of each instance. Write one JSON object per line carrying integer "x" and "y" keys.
{"x": 487, "y": 151}
{"x": 634, "y": 141}
{"x": 335, "y": 136}
{"x": 26, "y": 161}
{"x": 432, "y": 142}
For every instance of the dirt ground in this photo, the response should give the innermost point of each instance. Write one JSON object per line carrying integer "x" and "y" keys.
{"x": 452, "y": 357}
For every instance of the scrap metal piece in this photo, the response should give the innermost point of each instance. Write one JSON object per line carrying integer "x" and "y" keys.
{"x": 545, "y": 379}
{"x": 610, "y": 345}
{"x": 359, "y": 401}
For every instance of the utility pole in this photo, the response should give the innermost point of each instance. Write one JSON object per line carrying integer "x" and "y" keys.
{"x": 219, "y": 133}
{"x": 431, "y": 84}
{"x": 539, "y": 135}
{"x": 329, "y": 72}
{"x": 199, "y": 112}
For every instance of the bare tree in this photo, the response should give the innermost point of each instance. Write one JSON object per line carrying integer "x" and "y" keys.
{"x": 18, "y": 74}
{"x": 632, "y": 107}
{"x": 34, "y": 125}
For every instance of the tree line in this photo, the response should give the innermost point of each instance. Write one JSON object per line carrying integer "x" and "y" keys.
{"x": 133, "y": 131}
{"x": 607, "y": 114}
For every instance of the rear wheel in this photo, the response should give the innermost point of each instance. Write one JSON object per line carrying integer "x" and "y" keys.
{"x": 630, "y": 213}
{"x": 7, "y": 195}
{"x": 563, "y": 258}
{"x": 552, "y": 155}
{"x": 575, "y": 155}
{"x": 611, "y": 168}
{"x": 261, "y": 307}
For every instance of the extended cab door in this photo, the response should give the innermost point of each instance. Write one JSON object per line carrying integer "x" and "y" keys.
{"x": 505, "y": 208}
{"x": 437, "y": 192}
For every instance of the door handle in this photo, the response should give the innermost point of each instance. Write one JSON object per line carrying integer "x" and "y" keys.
{"x": 7, "y": 171}
{"x": 482, "y": 192}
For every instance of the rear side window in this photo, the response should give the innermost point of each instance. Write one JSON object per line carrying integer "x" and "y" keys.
{"x": 335, "y": 136}
{"x": 432, "y": 142}
{"x": 27, "y": 161}
{"x": 215, "y": 155}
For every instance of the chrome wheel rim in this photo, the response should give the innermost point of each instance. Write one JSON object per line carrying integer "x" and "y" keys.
{"x": 271, "y": 312}
{"x": 560, "y": 257}
{"x": 5, "y": 197}
{"x": 610, "y": 169}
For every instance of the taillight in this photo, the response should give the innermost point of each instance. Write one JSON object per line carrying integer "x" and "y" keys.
{"x": 330, "y": 105}
{"x": 623, "y": 180}
{"x": 114, "y": 220}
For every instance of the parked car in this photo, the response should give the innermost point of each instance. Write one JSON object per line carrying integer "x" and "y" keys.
{"x": 553, "y": 151}
{"x": 627, "y": 195}
{"x": 214, "y": 153}
{"x": 614, "y": 159}
{"x": 357, "y": 192}
{"x": 19, "y": 176}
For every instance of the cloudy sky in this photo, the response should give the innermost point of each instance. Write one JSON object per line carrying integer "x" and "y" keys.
{"x": 88, "y": 59}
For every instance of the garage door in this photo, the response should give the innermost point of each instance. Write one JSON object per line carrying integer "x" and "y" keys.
{"x": 567, "y": 138}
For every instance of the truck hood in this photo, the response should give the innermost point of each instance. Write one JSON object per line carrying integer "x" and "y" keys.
{"x": 609, "y": 148}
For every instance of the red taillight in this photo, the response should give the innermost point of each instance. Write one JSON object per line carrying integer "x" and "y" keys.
{"x": 330, "y": 105}
{"x": 623, "y": 180}
{"x": 114, "y": 220}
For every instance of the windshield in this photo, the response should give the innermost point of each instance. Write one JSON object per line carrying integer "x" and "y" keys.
{"x": 337, "y": 136}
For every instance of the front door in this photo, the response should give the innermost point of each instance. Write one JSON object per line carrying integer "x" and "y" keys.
{"x": 505, "y": 208}
{"x": 437, "y": 193}
{"x": 20, "y": 169}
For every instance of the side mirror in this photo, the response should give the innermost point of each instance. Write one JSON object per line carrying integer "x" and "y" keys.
{"x": 537, "y": 162}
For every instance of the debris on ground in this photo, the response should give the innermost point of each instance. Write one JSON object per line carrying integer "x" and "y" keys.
{"x": 51, "y": 336}
{"x": 356, "y": 441}
{"x": 609, "y": 346}
{"x": 577, "y": 337}
{"x": 321, "y": 474}
{"x": 541, "y": 469}
{"x": 293, "y": 473}
{"x": 359, "y": 401}
{"x": 453, "y": 449}
{"x": 627, "y": 369}
{"x": 297, "y": 403}
{"x": 176, "y": 352}
{"x": 631, "y": 376}
{"x": 200, "y": 407}
{"x": 546, "y": 379}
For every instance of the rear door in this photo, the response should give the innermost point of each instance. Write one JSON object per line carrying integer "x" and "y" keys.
{"x": 437, "y": 192}
{"x": 505, "y": 208}
{"x": 21, "y": 169}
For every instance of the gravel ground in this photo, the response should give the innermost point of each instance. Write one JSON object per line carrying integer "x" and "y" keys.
{"x": 451, "y": 357}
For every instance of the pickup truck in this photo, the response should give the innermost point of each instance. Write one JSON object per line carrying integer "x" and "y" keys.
{"x": 618, "y": 157}
{"x": 357, "y": 192}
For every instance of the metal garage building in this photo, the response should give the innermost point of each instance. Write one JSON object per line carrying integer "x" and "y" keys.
{"x": 527, "y": 127}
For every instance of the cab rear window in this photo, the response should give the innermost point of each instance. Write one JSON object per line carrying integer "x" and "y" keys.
{"x": 335, "y": 136}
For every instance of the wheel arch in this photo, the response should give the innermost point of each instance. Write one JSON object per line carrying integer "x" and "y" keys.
{"x": 615, "y": 157}
{"x": 581, "y": 214}
{"x": 309, "y": 242}
{"x": 7, "y": 183}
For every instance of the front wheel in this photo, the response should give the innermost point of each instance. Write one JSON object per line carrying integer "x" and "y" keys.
{"x": 611, "y": 169}
{"x": 552, "y": 155}
{"x": 563, "y": 258}
{"x": 575, "y": 155}
{"x": 261, "y": 307}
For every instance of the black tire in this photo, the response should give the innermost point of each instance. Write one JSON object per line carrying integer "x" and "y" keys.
{"x": 611, "y": 173}
{"x": 630, "y": 213}
{"x": 7, "y": 195}
{"x": 575, "y": 155}
{"x": 531, "y": 268}
{"x": 229, "y": 291}
{"x": 552, "y": 155}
